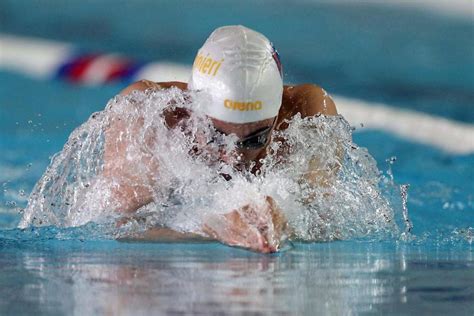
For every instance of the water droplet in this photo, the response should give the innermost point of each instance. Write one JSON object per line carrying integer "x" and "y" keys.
{"x": 10, "y": 204}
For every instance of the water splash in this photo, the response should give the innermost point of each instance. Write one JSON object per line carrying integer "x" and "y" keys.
{"x": 343, "y": 195}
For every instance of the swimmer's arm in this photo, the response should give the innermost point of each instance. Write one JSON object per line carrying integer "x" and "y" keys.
{"x": 130, "y": 190}
{"x": 260, "y": 228}
{"x": 143, "y": 85}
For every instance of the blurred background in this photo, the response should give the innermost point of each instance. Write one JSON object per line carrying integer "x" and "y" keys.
{"x": 407, "y": 59}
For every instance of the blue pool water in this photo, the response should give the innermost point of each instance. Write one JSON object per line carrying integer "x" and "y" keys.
{"x": 407, "y": 58}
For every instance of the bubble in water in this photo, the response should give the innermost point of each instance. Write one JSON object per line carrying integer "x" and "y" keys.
{"x": 327, "y": 187}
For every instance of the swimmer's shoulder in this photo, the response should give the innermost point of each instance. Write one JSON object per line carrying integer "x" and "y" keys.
{"x": 172, "y": 116}
{"x": 307, "y": 99}
{"x": 143, "y": 85}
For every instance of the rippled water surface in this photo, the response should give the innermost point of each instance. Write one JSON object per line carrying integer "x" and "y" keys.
{"x": 341, "y": 278}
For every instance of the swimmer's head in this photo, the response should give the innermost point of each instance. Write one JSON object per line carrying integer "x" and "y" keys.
{"x": 241, "y": 71}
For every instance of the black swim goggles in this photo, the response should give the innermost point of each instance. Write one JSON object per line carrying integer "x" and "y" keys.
{"x": 256, "y": 140}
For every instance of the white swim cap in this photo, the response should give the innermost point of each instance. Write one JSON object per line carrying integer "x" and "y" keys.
{"x": 241, "y": 71}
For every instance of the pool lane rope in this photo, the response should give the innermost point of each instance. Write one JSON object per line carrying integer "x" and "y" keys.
{"x": 45, "y": 59}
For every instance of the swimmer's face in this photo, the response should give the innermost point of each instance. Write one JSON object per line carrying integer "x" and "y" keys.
{"x": 253, "y": 137}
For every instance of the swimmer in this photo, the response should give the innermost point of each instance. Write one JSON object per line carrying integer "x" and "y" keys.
{"x": 241, "y": 71}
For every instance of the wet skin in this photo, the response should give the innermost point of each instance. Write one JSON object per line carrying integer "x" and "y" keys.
{"x": 259, "y": 228}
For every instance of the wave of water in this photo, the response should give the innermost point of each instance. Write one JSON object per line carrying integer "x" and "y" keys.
{"x": 346, "y": 196}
